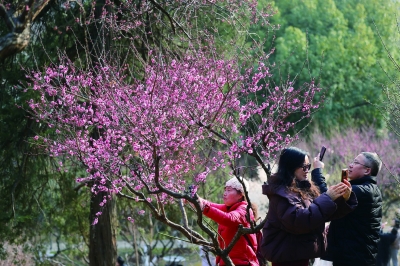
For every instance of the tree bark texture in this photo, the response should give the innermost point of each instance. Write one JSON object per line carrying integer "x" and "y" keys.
{"x": 18, "y": 20}
{"x": 103, "y": 244}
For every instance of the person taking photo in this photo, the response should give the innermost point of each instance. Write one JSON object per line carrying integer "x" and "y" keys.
{"x": 294, "y": 231}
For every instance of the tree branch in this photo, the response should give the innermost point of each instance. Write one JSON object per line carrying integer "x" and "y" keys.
{"x": 19, "y": 36}
{"x": 7, "y": 19}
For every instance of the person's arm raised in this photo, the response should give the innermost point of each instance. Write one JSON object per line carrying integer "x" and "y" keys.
{"x": 316, "y": 175}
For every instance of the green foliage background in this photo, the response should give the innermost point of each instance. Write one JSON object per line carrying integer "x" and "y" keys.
{"x": 337, "y": 43}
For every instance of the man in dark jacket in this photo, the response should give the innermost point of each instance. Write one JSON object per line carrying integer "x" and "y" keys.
{"x": 353, "y": 239}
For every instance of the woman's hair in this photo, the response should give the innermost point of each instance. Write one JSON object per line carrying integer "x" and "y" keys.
{"x": 290, "y": 160}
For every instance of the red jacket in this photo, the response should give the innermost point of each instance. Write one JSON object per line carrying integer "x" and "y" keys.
{"x": 228, "y": 223}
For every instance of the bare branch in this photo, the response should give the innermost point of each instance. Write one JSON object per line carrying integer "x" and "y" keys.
{"x": 7, "y": 19}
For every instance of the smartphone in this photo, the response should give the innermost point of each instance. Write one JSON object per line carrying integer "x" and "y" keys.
{"x": 322, "y": 153}
{"x": 345, "y": 174}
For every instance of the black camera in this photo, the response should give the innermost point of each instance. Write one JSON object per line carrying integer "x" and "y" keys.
{"x": 192, "y": 191}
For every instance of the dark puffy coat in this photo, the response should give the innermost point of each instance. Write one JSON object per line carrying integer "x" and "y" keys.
{"x": 228, "y": 223}
{"x": 353, "y": 239}
{"x": 295, "y": 228}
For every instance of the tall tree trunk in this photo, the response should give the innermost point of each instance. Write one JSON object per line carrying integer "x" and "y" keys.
{"x": 103, "y": 244}
{"x": 135, "y": 241}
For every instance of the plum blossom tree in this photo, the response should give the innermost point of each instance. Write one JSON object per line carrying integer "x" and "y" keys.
{"x": 149, "y": 121}
{"x": 154, "y": 132}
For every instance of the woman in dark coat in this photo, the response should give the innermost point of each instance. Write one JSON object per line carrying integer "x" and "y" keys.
{"x": 295, "y": 226}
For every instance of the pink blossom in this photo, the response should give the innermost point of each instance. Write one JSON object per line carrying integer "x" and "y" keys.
{"x": 184, "y": 118}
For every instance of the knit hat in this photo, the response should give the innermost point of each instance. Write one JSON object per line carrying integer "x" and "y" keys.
{"x": 235, "y": 183}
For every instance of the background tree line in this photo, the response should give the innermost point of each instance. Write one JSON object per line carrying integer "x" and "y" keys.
{"x": 339, "y": 42}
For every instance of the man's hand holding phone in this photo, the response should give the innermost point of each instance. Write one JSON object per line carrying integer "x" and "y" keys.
{"x": 347, "y": 194}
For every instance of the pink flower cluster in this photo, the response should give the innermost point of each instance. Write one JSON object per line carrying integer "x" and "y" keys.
{"x": 152, "y": 134}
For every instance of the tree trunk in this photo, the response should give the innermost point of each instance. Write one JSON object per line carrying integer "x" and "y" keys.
{"x": 103, "y": 244}
{"x": 19, "y": 25}
{"x": 13, "y": 43}
{"x": 135, "y": 244}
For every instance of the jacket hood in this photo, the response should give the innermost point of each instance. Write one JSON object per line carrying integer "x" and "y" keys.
{"x": 273, "y": 186}
{"x": 272, "y": 190}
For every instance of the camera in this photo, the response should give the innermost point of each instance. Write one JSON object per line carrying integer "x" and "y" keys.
{"x": 192, "y": 189}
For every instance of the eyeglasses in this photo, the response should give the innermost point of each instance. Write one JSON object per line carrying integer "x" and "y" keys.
{"x": 306, "y": 167}
{"x": 355, "y": 162}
